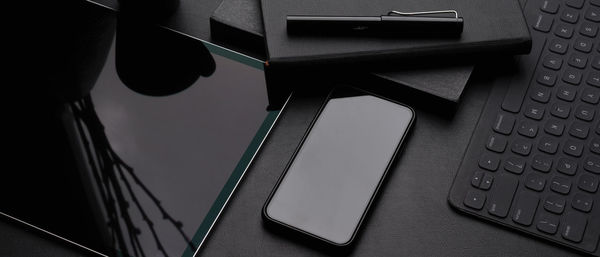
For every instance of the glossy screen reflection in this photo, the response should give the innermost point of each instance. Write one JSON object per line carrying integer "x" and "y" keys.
{"x": 154, "y": 163}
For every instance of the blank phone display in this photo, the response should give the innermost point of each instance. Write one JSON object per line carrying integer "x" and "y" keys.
{"x": 334, "y": 175}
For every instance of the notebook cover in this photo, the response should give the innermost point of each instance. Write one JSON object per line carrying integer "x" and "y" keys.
{"x": 239, "y": 22}
{"x": 490, "y": 27}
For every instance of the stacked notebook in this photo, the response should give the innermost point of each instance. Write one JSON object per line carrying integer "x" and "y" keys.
{"x": 260, "y": 25}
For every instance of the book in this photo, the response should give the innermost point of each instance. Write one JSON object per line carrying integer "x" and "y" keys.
{"x": 491, "y": 27}
{"x": 238, "y": 23}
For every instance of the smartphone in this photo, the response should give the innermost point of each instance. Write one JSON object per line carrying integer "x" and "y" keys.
{"x": 334, "y": 175}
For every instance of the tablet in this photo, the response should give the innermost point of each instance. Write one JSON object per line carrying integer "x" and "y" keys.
{"x": 150, "y": 145}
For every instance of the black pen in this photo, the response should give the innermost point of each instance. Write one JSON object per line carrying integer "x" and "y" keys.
{"x": 393, "y": 24}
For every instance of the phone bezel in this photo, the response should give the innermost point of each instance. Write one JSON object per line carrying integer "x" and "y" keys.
{"x": 334, "y": 92}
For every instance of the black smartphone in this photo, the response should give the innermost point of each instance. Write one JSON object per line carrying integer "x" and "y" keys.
{"x": 334, "y": 175}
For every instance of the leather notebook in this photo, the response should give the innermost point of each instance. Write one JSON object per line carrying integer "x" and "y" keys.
{"x": 490, "y": 27}
{"x": 238, "y": 23}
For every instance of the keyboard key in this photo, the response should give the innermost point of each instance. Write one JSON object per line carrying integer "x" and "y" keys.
{"x": 541, "y": 163}
{"x": 504, "y": 123}
{"x": 554, "y": 127}
{"x": 540, "y": 94}
{"x": 489, "y": 162}
{"x": 501, "y": 195}
{"x": 588, "y": 183}
{"x": 560, "y": 185}
{"x": 521, "y": 146}
{"x": 560, "y": 110}
{"x": 567, "y": 166}
{"x": 528, "y": 129}
{"x": 572, "y": 76}
{"x": 566, "y": 93}
{"x": 517, "y": 89}
{"x": 592, "y": 164}
{"x": 535, "y": 112}
{"x": 543, "y": 23}
{"x": 548, "y": 223}
{"x": 514, "y": 165}
{"x": 585, "y": 112}
{"x": 496, "y": 143}
{"x": 554, "y": 203}
{"x": 569, "y": 15}
{"x": 525, "y": 207}
{"x": 573, "y": 148}
{"x": 573, "y": 226}
{"x": 552, "y": 62}
{"x": 598, "y": 128}
{"x": 549, "y": 6}
{"x": 575, "y": 3}
{"x": 594, "y": 79}
{"x": 593, "y": 14}
{"x": 475, "y": 199}
{"x": 577, "y": 60}
{"x": 595, "y": 145}
{"x": 487, "y": 181}
{"x": 547, "y": 78}
{"x": 582, "y": 202}
{"x": 477, "y": 178}
{"x": 596, "y": 62}
{"x": 535, "y": 182}
{"x": 563, "y": 30}
{"x": 579, "y": 130}
{"x": 548, "y": 145}
{"x": 559, "y": 46}
{"x": 590, "y": 95}
{"x": 583, "y": 44}
{"x": 588, "y": 29}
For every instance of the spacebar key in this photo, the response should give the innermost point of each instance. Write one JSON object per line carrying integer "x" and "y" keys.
{"x": 501, "y": 195}
{"x": 517, "y": 89}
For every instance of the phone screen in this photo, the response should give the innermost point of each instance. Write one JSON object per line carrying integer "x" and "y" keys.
{"x": 337, "y": 170}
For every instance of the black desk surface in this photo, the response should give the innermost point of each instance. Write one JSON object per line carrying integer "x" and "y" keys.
{"x": 414, "y": 194}
{"x": 411, "y": 216}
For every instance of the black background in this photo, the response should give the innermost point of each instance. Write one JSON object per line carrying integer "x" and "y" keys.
{"x": 413, "y": 199}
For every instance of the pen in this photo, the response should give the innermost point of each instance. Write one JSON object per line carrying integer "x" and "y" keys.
{"x": 406, "y": 24}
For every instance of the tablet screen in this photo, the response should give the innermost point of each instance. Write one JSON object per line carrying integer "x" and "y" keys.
{"x": 156, "y": 141}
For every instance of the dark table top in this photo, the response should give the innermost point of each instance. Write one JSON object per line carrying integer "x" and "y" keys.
{"x": 415, "y": 193}
{"x": 411, "y": 216}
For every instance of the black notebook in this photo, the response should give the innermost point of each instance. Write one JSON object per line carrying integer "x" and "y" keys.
{"x": 238, "y": 23}
{"x": 490, "y": 27}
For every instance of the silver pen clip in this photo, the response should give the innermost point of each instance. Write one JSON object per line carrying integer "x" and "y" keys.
{"x": 393, "y": 12}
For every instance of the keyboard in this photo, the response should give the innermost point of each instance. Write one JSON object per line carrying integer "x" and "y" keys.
{"x": 533, "y": 162}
